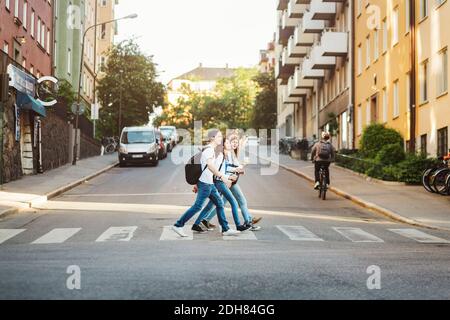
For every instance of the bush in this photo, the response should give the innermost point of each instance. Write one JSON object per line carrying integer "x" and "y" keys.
{"x": 411, "y": 169}
{"x": 375, "y": 137}
{"x": 391, "y": 154}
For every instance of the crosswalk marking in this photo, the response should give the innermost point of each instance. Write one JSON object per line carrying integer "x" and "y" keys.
{"x": 418, "y": 236}
{"x": 6, "y": 234}
{"x": 299, "y": 233}
{"x": 57, "y": 236}
{"x": 117, "y": 234}
{"x": 248, "y": 235}
{"x": 169, "y": 235}
{"x": 357, "y": 235}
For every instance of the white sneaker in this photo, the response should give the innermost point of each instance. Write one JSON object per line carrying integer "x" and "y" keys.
{"x": 231, "y": 233}
{"x": 255, "y": 228}
{"x": 180, "y": 232}
{"x": 316, "y": 186}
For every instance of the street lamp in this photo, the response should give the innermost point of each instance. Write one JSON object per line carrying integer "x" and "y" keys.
{"x": 75, "y": 147}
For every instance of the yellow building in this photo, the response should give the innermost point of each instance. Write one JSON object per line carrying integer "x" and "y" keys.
{"x": 433, "y": 101}
{"x": 382, "y": 65}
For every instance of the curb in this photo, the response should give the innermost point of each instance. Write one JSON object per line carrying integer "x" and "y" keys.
{"x": 361, "y": 202}
{"x": 59, "y": 191}
{"x": 7, "y": 212}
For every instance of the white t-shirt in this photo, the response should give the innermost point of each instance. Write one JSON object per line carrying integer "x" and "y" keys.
{"x": 207, "y": 175}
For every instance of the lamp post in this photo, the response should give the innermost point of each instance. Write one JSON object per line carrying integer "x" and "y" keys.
{"x": 75, "y": 147}
{"x": 120, "y": 104}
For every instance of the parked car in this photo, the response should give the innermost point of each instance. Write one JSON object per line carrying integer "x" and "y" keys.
{"x": 167, "y": 140}
{"x": 163, "y": 145}
{"x": 170, "y": 131}
{"x": 138, "y": 145}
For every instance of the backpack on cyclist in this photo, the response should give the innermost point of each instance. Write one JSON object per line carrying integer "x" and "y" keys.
{"x": 325, "y": 151}
{"x": 193, "y": 169}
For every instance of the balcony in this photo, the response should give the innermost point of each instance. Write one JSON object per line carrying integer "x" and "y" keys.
{"x": 282, "y": 4}
{"x": 286, "y": 97}
{"x": 319, "y": 61}
{"x": 301, "y": 38}
{"x": 296, "y": 9}
{"x": 285, "y": 28}
{"x": 295, "y": 51}
{"x": 323, "y": 10}
{"x": 309, "y": 25}
{"x": 294, "y": 92}
{"x": 283, "y": 72}
{"x": 288, "y": 22}
{"x": 334, "y": 43}
{"x": 300, "y": 82}
{"x": 309, "y": 73}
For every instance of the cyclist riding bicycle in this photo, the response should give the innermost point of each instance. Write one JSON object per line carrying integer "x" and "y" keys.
{"x": 447, "y": 158}
{"x": 323, "y": 154}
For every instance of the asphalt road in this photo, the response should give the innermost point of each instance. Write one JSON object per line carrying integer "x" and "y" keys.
{"x": 112, "y": 229}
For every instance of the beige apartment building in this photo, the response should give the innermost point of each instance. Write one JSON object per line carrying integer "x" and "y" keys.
{"x": 433, "y": 101}
{"x": 314, "y": 70}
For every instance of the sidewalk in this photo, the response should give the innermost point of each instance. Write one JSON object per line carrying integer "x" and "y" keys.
{"x": 31, "y": 190}
{"x": 409, "y": 204}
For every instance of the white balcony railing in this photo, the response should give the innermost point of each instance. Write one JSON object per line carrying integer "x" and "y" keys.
{"x": 296, "y": 9}
{"x": 287, "y": 22}
{"x": 319, "y": 61}
{"x": 287, "y": 60}
{"x": 300, "y": 82}
{"x": 295, "y": 51}
{"x": 323, "y": 10}
{"x": 294, "y": 92}
{"x": 309, "y": 73}
{"x": 334, "y": 43}
{"x": 301, "y": 38}
{"x": 309, "y": 25}
{"x": 286, "y": 97}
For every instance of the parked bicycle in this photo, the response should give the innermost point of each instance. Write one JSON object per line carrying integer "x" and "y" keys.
{"x": 437, "y": 179}
{"x": 111, "y": 144}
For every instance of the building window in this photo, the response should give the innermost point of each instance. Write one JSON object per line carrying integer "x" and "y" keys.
{"x": 385, "y": 105}
{"x": 423, "y": 9}
{"x": 443, "y": 142}
{"x": 359, "y": 120}
{"x": 43, "y": 35}
{"x": 6, "y": 48}
{"x": 375, "y": 45}
{"x": 396, "y": 100}
{"x": 16, "y": 8}
{"x": 385, "y": 35}
{"x": 48, "y": 41}
{"x": 395, "y": 27}
{"x": 69, "y": 62}
{"x": 32, "y": 69}
{"x": 368, "y": 113}
{"x": 407, "y": 16}
{"x": 408, "y": 92}
{"x": 423, "y": 144}
{"x": 24, "y": 63}
{"x": 442, "y": 72}
{"x": 7, "y": 5}
{"x": 38, "y": 34}
{"x": 32, "y": 23}
{"x": 359, "y": 59}
{"x": 367, "y": 51}
{"x": 423, "y": 79}
{"x": 25, "y": 12}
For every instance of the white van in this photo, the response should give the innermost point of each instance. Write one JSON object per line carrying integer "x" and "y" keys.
{"x": 170, "y": 131}
{"x": 139, "y": 145}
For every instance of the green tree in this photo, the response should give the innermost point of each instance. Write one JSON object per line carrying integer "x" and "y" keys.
{"x": 264, "y": 115}
{"x": 130, "y": 76}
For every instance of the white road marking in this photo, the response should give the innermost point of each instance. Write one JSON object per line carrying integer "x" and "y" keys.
{"x": 248, "y": 235}
{"x": 117, "y": 234}
{"x": 299, "y": 233}
{"x": 57, "y": 236}
{"x": 6, "y": 234}
{"x": 169, "y": 235}
{"x": 357, "y": 235}
{"x": 93, "y": 195}
{"x": 418, "y": 236}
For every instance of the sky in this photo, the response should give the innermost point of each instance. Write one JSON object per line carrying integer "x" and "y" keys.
{"x": 181, "y": 34}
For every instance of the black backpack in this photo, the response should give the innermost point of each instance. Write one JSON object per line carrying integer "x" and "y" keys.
{"x": 325, "y": 151}
{"x": 193, "y": 169}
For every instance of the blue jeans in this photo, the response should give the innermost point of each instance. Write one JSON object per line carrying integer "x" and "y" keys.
{"x": 205, "y": 191}
{"x": 227, "y": 195}
{"x": 241, "y": 200}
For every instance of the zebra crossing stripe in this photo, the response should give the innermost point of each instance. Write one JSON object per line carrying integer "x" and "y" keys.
{"x": 248, "y": 235}
{"x": 169, "y": 235}
{"x": 357, "y": 235}
{"x": 122, "y": 234}
{"x": 418, "y": 236}
{"x": 6, "y": 234}
{"x": 299, "y": 233}
{"x": 57, "y": 236}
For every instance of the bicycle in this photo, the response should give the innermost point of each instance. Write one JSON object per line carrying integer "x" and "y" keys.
{"x": 110, "y": 144}
{"x": 437, "y": 179}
